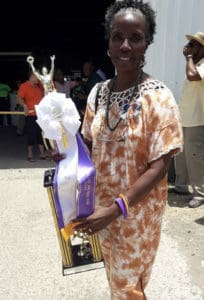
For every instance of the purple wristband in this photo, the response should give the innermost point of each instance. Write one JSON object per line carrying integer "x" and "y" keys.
{"x": 121, "y": 204}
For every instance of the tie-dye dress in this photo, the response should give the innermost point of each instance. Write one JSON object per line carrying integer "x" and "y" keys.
{"x": 149, "y": 128}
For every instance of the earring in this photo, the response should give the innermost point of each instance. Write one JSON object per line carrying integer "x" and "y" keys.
{"x": 108, "y": 53}
{"x": 143, "y": 62}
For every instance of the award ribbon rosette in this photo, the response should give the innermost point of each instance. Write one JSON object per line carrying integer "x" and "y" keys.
{"x": 74, "y": 177}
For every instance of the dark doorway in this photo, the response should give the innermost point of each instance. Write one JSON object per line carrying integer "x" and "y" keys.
{"x": 72, "y": 30}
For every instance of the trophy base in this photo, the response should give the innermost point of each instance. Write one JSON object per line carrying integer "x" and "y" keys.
{"x": 79, "y": 254}
{"x": 82, "y": 263}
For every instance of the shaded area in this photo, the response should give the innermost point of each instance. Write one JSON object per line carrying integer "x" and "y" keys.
{"x": 171, "y": 172}
{"x": 72, "y": 30}
{"x": 200, "y": 221}
{"x": 13, "y": 153}
{"x": 176, "y": 200}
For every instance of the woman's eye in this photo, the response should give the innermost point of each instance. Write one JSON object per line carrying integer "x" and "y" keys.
{"x": 116, "y": 37}
{"x": 135, "y": 39}
{"x": 132, "y": 39}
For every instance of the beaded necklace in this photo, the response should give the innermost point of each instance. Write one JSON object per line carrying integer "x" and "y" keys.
{"x": 108, "y": 102}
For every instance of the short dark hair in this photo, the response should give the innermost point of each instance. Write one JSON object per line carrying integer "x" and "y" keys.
{"x": 145, "y": 9}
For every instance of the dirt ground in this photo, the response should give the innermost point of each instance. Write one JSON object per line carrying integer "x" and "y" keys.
{"x": 185, "y": 226}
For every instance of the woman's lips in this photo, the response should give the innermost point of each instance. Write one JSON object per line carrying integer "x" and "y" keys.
{"x": 124, "y": 58}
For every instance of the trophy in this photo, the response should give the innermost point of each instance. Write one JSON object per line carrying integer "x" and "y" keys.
{"x": 45, "y": 78}
{"x": 80, "y": 252}
{"x": 71, "y": 185}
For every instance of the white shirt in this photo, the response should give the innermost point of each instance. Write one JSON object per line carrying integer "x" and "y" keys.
{"x": 191, "y": 104}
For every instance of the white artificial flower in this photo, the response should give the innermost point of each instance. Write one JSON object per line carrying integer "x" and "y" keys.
{"x": 56, "y": 111}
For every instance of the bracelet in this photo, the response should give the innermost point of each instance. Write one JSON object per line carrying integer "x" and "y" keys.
{"x": 122, "y": 206}
{"x": 189, "y": 56}
{"x": 125, "y": 201}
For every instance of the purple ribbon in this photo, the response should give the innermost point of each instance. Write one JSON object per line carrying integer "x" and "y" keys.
{"x": 86, "y": 185}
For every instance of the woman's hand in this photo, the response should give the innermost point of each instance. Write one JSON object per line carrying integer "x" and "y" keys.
{"x": 101, "y": 218}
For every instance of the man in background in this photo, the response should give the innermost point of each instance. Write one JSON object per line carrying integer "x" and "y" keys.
{"x": 30, "y": 93}
{"x": 189, "y": 165}
{"x": 92, "y": 74}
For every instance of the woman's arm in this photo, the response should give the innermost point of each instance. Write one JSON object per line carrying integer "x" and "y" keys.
{"x": 88, "y": 144}
{"x": 103, "y": 216}
{"x": 155, "y": 173}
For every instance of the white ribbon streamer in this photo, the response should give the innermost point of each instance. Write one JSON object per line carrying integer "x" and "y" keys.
{"x": 56, "y": 115}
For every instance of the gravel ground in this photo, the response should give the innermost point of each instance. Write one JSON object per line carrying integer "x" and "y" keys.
{"x": 30, "y": 260}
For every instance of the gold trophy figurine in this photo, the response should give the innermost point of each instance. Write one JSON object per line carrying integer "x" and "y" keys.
{"x": 45, "y": 78}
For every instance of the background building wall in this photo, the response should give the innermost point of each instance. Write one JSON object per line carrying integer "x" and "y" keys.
{"x": 175, "y": 19}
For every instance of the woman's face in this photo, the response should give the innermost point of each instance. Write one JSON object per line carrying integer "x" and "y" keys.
{"x": 127, "y": 43}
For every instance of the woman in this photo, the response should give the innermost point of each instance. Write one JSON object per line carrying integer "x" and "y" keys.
{"x": 134, "y": 130}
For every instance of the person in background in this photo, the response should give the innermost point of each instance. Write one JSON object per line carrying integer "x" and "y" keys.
{"x": 5, "y": 90}
{"x": 30, "y": 94}
{"x": 92, "y": 75}
{"x": 189, "y": 165}
{"x": 20, "y": 119}
{"x": 62, "y": 85}
{"x": 80, "y": 103}
{"x": 132, "y": 135}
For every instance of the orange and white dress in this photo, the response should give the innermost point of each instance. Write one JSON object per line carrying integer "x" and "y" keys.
{"x": 150, "y": 127}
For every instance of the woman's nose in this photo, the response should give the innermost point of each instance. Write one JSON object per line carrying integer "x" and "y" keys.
{"x": 125, "y": 44}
